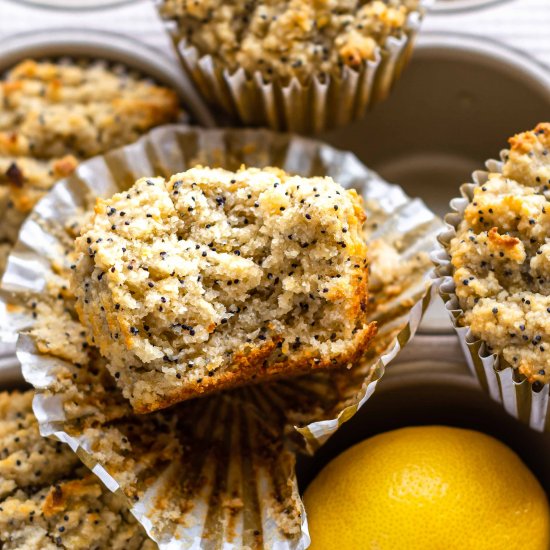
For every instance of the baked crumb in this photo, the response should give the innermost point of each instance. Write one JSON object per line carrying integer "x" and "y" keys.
{"x": 47, "y": 499}
{"x": 5, "y": 249}
{"x": 216, "y": 278}
{"x": 290, "y": 38}
{"x": 390, "y": 274}
{"x": 501, "y": 258}
{"x": 54, "y": 115}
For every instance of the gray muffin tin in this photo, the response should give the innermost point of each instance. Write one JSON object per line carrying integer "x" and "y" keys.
{"x": 465, "y": 91}
{"x": 453, "y": 108}
{"x": 456, "y": 103}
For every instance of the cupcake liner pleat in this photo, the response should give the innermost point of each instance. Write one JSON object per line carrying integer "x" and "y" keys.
{"x": 498, "y": 378}
{"x": 319, "y": 104}
{"x": 239, "y": 444}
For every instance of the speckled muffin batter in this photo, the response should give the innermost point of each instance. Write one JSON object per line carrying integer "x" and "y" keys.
{"x": 53, "y": 115}
{"x": 218, "y": 278}
{"x": 287, "y": 38}
{"x": 501, "y": 258}
{"x": 49, "y": 501}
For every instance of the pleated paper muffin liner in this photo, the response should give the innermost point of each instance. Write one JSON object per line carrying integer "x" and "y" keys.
{"x": 496, "y": 376}
{"x": 321, "y": 103}
{"x": 218, "y": 470}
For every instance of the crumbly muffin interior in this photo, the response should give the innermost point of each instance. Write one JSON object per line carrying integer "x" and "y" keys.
{"x": 283, "y": 39}
{"x": 56, "y": 114}
{"x": 215, "y": 277}
{"x": 501, "y": 258}
{"x": 47, "y": 500}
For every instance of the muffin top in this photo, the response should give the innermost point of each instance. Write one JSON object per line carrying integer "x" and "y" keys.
{"x": 56, "y": 114}
{"x": 47, "y": 500}
{"x": 501, "y": 257}
{"x": 214, "y": 278}
{"x": 289, "y": 38}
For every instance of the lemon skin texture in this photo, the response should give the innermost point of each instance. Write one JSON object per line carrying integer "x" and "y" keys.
{"x": 428, "y": 488}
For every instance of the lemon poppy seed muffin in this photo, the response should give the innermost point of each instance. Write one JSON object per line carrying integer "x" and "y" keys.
{"x": 501, "y": 258}
{"x": 217, "y": 278}
{"x": 290, "y": 38}
{"x": 47, "y": 499}
{"x": 56, "y": 114}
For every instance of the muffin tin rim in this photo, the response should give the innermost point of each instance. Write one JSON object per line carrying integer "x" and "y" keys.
{"x": 460, "y": 43}
{"x": 70, "y": 7}
{"x": 441, "y": 7}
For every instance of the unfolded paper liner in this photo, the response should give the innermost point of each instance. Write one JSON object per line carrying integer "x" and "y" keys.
{"x": 496, "y": 376}
{"x": 321, "y": 103}
{"x": 218, "y": 471}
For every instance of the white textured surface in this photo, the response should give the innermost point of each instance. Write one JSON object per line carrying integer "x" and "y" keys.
{"x": 523, "y": 24}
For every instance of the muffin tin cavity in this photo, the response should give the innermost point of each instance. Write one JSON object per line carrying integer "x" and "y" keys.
{"x": 454, "y": 107}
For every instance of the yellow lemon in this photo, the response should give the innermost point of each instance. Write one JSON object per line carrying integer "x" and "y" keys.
{"x": 428, "y": 488}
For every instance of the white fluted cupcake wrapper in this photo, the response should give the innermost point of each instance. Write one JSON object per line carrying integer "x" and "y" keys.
{"x": 322, "y": 103}
{"x": 497, "y": 377}
{"x": 239, "y": 444}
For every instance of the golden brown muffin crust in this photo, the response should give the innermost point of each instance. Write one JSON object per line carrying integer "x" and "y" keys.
{"x": 218, "y": 278}
{"x": 283, "y": 39}
{"x": 501, "y": 258}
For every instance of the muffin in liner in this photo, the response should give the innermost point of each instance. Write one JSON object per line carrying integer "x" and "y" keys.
{"x": 217, "y": 470}
{"x": 82, "y": 48}
{"x": 306, "y": 106}
{"x": 497, "y": 377}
